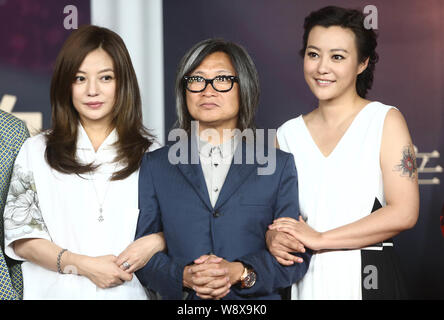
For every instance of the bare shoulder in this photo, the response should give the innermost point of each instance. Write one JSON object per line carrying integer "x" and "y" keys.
{"x": 395, "y": 130}
{"x": 395, "y": 120}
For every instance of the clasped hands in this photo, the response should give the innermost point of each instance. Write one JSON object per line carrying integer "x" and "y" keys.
{"x": 287, "y": 235}
{"x": 110, "y": 271}
{"x": 211, "y": 277}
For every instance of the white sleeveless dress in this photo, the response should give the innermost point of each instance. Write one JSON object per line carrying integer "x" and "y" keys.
{"x": 334, "y": 191}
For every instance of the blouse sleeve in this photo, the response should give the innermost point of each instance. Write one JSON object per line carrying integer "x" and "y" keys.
{"x": 23, "y": 218}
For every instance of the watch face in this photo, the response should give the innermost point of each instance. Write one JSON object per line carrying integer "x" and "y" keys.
{"x": 250, "y": 279}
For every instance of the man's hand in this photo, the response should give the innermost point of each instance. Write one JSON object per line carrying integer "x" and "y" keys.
{"x": 211, "y": 276}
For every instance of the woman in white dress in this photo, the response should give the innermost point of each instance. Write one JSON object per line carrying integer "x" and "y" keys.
{"x": 356, "y": 169}
{"x": 72, "y": 207}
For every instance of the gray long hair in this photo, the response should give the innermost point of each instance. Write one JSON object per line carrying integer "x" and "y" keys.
{"x": 245, "y": 70}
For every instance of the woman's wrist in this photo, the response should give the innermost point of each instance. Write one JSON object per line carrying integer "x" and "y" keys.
{"x": 74, "y": 263}
{"x": 59, "y": 261}
{"x": 160, "y": 242}
{"x": 156, "y": 244}
{"x": 322, "y": 242}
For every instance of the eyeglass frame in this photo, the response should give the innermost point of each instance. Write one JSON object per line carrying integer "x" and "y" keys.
{"x": 207, "y": 81}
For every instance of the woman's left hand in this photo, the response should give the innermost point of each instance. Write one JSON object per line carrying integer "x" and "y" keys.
{"x": 300, "y": 230}
{"x": 138, "y": 253}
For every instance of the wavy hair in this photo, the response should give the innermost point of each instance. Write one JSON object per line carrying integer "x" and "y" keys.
{"x": 61, "y": 140}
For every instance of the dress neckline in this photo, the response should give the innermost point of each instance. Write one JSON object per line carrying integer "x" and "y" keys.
{"x": 340, "y": 142}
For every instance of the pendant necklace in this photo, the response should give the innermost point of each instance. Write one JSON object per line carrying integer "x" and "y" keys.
{"x": 101, "y": 203}
{"x": 108, "y": 183}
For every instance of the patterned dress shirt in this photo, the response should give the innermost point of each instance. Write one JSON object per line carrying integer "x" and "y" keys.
{"x": 216, "y": 162}
{"x": 13, "y": 133}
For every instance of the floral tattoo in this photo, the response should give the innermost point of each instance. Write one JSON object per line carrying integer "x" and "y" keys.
{"x": 407, "y": 165}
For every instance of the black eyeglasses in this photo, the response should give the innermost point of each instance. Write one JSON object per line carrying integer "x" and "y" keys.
{"x": 219, "y": 83}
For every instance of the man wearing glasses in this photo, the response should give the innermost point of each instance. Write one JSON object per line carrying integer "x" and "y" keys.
{"x": 215, "y": 211}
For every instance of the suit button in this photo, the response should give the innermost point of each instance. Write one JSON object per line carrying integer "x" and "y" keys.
{"x": 216, "y": 214}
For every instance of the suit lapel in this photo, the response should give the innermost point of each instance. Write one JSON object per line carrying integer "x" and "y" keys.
{"x": 193, "y": 173}
{"x": 237, "y": 174}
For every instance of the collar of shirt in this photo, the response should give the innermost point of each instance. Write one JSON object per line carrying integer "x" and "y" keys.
{"x": 84, "y": 143}
{"x": 104, "y": 156}
{"x": 225, "y": 149}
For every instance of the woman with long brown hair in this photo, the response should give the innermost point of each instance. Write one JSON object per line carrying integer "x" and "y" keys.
{"x": 72, "y": 207}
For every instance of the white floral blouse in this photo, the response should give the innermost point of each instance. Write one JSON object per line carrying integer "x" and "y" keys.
{"x": 65, "y": 209}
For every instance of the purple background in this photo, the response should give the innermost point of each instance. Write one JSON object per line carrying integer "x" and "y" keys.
{"x": 31, "y": 35}
{"x": 410, "y": 75}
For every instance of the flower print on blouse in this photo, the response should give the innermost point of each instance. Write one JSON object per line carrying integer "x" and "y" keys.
{"x": 22, "y": 212}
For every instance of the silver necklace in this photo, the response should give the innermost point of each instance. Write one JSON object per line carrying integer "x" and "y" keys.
{"x": 108, "y": 184}
{"x": 100, "y": 219}
{"x": 100, "y": 203}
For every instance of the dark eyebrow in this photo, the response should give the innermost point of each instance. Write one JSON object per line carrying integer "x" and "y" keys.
{"x": 218, "y": 71}
{"x": 332, "y": 50}
{"x": 313, "y": 47}
{"x": 104, "y": 70}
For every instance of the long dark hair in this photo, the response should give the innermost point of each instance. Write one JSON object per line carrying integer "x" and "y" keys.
{"x": 366, "y": 39}
{"x": 133, "y": 138}
{"x": 245, "y": 70}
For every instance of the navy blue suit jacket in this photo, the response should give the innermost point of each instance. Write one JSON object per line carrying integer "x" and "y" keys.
{"x": 174, "y": 199}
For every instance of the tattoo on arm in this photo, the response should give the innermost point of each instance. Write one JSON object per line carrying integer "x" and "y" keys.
{"x": 407, "y": 165}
